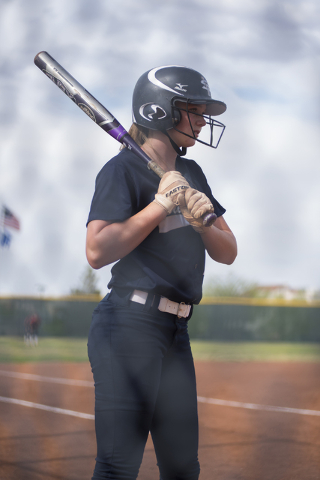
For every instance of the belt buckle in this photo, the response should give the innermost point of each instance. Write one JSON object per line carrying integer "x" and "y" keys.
{"x": 180, "y": 316}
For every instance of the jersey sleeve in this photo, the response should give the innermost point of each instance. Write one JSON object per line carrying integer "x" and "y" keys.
{"x": 114, "y": 196}
{"x": 219, "y": 210}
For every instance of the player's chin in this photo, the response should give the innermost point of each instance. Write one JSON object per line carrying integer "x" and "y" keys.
{"x": 189, "y": 142}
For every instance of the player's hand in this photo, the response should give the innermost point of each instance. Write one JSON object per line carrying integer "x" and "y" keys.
{"x": 193, "y": 205}
{"x": 171, "y": 186}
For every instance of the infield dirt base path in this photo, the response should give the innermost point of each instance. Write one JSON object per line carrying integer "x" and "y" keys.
{"x": 235, "y": 442}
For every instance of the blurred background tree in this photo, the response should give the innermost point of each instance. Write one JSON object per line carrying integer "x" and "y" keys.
{"x": 231, "y": 286}
{"x": 234, "y": 286}
{"x": 88, "y": 283}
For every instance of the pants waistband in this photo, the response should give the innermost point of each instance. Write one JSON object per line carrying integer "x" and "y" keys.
{"x": 181, "y": 310}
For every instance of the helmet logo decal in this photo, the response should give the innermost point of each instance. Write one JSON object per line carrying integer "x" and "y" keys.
{"x": 180, "y": 87}
{"x": 152, "y": 78}
{"x": 205, "y": 86}
{"x": 150, "y": 111}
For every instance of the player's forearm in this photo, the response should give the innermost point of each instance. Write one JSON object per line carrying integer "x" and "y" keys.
{"x": 117, "y": 240}
{"x": 221, "y": 245}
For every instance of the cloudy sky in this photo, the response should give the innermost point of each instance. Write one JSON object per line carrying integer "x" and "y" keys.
{"x": 261, "y": 57}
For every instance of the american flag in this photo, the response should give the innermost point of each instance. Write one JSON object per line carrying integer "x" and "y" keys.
{"x": 9, "y": 219}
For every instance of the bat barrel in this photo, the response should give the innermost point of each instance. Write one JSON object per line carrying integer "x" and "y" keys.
{"x": 87, "y": 103}
{"x": 79, "y": 95}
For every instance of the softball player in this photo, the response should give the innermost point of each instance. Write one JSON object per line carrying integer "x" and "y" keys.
{"x": 138, "y": 342}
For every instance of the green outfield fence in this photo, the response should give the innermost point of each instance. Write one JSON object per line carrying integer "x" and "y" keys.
{"x": 222, "y": 319}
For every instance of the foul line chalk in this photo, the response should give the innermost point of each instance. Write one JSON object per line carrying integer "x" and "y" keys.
{"x": 40, "y": 378}
{"x": 254, "y": 406}
{"x": 83, "y": 383}
{"x": 47, "y": 408}
{"x": 212, "y": 401}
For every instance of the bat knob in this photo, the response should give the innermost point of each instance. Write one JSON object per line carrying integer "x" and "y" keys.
{"x": 209, "y": 219}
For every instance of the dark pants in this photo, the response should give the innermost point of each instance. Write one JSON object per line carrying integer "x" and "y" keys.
{"x": 144, "y": 382}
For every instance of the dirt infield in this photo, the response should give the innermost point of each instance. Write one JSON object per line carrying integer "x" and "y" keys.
{"x": 241, "y": 440}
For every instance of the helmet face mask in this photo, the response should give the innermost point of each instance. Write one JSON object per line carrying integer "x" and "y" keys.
{"x": 208, "y": 136}
{"x": 155, "y": 97}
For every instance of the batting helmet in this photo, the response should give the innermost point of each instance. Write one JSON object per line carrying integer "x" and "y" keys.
{"x": 158, "y": 90}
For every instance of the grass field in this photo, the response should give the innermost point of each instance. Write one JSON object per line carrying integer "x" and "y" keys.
{"x": 13, "y": 350}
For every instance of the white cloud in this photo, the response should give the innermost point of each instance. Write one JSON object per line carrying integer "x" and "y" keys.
{"x": 258, "y": 57}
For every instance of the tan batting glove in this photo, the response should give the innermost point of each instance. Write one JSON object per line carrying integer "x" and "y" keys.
{"x": 171, "y": 186}
{"x": 193, "y": 205}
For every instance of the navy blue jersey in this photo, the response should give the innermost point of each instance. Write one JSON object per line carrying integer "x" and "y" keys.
{"x": 171, "y": 260}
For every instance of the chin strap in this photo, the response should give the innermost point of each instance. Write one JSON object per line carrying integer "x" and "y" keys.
{"x": 180, "y": 151}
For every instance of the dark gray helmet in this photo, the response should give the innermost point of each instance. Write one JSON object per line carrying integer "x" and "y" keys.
{"x": 157, "y": 91}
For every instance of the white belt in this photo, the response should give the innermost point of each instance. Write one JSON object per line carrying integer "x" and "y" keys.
{"x": 165, "y": 305}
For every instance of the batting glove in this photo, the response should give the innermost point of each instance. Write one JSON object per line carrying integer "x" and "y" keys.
{"x": 171, "y": 186}
{"x": 193, "y": 205}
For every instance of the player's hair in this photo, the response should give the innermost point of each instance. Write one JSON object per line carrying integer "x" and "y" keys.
{"x": 139, "y": 134}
